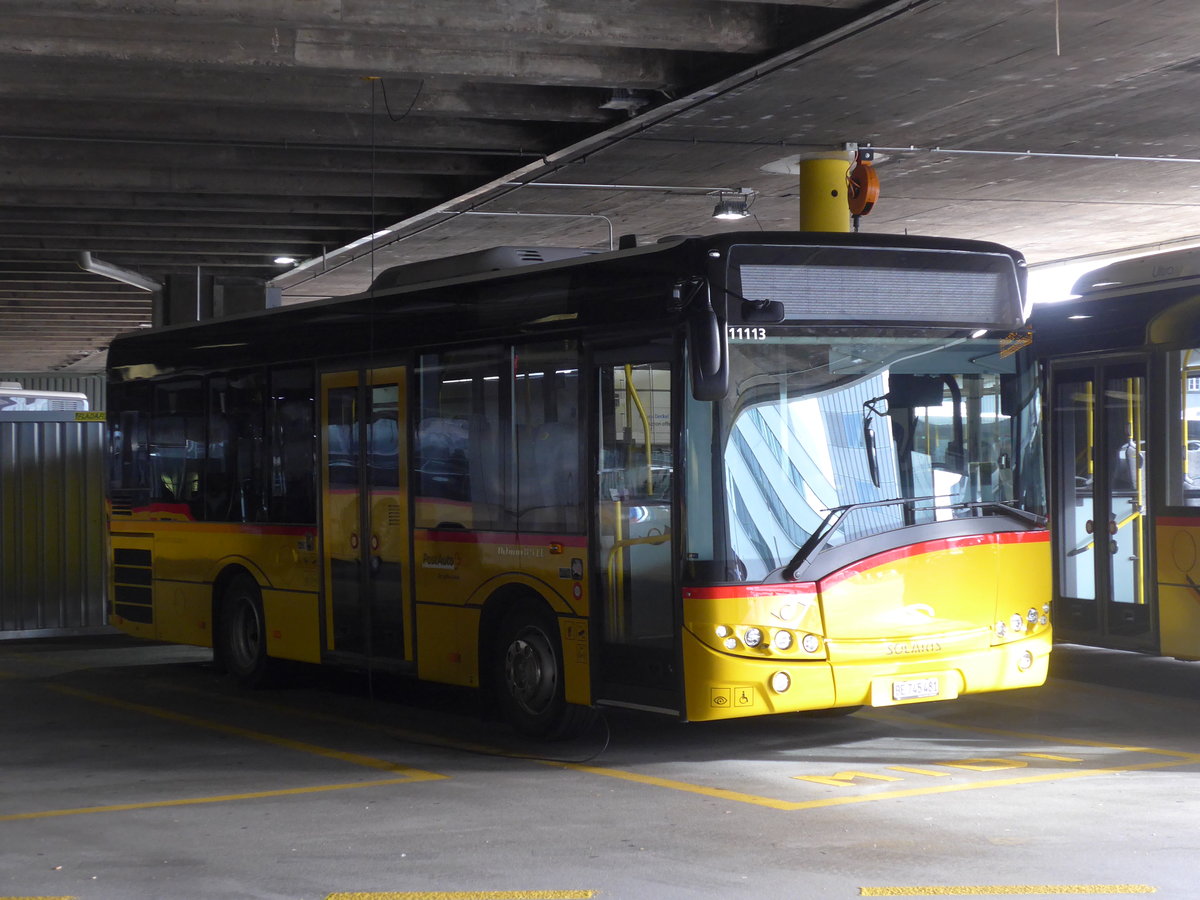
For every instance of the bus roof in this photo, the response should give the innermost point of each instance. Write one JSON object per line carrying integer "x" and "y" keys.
{"x": 1157, "y": 271}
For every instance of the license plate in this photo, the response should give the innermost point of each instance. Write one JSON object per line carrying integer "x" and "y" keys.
{"x": 915, "y": 689}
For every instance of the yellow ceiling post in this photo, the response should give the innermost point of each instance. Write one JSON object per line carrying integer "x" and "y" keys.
{"x": 824, "y": 205}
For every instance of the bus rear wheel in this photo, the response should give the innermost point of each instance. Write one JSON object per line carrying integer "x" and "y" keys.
{"x": 527, "y": 676}
{"x": 243, "y": 633}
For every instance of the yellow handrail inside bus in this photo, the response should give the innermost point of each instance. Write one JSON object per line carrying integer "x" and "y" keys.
{"x": 632, "y": 393}
{"x": 616, "y": 593}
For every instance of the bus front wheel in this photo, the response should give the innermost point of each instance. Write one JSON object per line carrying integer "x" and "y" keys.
{"x": 528, "y": 676}
{"x": 243, "y": 633}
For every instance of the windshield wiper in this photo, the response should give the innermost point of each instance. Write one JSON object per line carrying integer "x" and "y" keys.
{"x": 828, "y": 526}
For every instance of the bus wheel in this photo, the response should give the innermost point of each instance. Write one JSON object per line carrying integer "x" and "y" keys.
{"x": 528, "y": 676}
{"x": 243, "y": 634}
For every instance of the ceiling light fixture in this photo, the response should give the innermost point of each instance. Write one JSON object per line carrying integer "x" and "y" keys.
{"x": 285, "y": 260}
{"x": 733, "y": 206}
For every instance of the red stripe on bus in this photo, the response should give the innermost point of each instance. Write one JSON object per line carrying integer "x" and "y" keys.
{"x": 227, "y": 527}
{"x": 1180, "y": 521}
{"x": 492, "y": 537}
{"x": 939, "y": 546}
{"x": 871, "y": 562}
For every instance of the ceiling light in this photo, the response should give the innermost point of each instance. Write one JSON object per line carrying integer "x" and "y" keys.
{"x": 733, "y": 206}
{"x": 285, "y": 260}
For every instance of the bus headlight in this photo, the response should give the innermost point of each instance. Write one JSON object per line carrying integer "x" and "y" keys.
{"x": 1001, "y": 629}
{"x": 753, "y": 637}
{"x": 1031, "y": 616}
{"x": 722, "y": 631}
{"x": 730, "y": 643}
{"x": 1017, "y": 623}
{"x": 1025, "y": 661}
{"x": 783, "y": 640}
{"x": 780, "y": 682}
{"x": 810, "y": 643}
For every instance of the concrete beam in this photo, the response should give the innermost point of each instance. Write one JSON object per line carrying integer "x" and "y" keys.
{"x": 315, "y": 92}
{"x": 220, "y": 44}
{"x": 687, "y": 25}
{"x": 116, "y": 153}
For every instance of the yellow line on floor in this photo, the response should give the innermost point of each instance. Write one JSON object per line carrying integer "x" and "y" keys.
{"x": 462, "y": 895}
{"x": 979, "y": 729}
{"x": 195, "y": 801}
{"x": 1006, "y": 890}
{"x": 171, "y": 716}
{"x": 790, "y": 805}
{"x": 405, "y": 734}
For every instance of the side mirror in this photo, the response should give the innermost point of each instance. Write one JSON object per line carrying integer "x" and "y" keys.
{"x": 708, "y": 349}
{"x": 869, "y": 444}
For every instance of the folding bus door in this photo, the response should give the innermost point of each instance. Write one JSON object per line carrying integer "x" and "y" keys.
{"x": 634, "y": 552}
{"x": 1104, "y": 584}
{"x": 364, "y": 523}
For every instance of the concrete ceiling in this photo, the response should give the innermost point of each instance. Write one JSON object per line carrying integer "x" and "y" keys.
{"x": 170, "y": 137}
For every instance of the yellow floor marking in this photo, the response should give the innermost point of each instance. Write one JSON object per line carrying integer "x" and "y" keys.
{"x": 1052, "y": 756}
{"x": 462, "y": 895}
{"x": 979, "y": 729}
{"x": 195, "y": 801}
{"x": 340, "y": 755}
{"x": 406, "y": 734}
{"x": 913, "y": 770}
{"x": 788, "y": 805}
{"x": 1008, "y": 890}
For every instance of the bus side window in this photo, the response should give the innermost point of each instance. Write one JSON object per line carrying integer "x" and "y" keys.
{"x": 546, "y": 422}
{"x": 458, "y": 456}
{"x": 292, "y": 432}
{"x": 177, "y": 445}
{"x": 1183, "y": 480}
{"x": 235, "y": 448}
{"x": 129, "y": 448}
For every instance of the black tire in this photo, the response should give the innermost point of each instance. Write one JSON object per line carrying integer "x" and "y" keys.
{"x": 243, "y": 633}
{"x": 527, "y": 676}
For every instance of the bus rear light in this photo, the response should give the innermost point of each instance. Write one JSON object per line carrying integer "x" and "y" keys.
{"x": 780, "y": 682}
{"x": 811, "y": 643}
{"x": 783, "y": 640}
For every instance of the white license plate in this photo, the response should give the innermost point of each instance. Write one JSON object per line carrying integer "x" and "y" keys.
{"x": 915, "y": 689}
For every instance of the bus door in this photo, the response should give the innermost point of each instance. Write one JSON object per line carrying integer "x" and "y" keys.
{"x": 638, "y": 614}
{"x": 1103, "y": 591}
{"x": 364, "y": 523}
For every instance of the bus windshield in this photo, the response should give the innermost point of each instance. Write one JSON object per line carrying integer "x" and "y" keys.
{"x": 829, "y": 439}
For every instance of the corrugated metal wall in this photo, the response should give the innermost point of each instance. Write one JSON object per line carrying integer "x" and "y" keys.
{"x": 52, "y": 559}
{"x": 93, "y": 385}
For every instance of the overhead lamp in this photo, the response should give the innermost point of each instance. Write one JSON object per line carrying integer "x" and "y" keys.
{"x": 285, "y": 260}
{"x": 733, "y": 206}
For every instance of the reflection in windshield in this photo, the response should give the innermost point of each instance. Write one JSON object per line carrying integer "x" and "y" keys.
{"x": 949, "y": 421}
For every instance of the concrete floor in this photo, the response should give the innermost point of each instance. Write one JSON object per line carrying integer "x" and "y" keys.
{"x": 133, "y": 771}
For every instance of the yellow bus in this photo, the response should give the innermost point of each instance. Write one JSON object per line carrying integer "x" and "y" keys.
{"x": 1122, "y": 373}
{"x": 712, "y": 477}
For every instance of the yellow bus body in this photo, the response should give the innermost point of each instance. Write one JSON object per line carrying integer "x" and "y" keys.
{"x": 907, "y": 615}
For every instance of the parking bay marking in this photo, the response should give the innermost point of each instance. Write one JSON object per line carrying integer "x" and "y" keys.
{"x": 405, "y": 774}
{"x": 1175, "y": 758}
